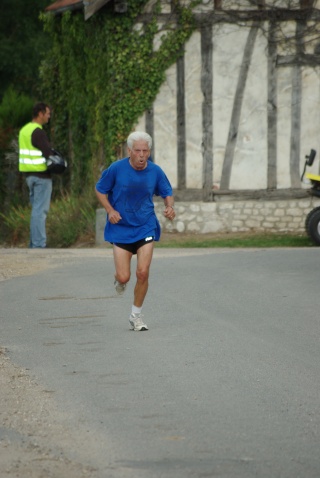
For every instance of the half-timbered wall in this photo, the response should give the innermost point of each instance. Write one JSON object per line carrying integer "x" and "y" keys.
{"x": 237, "y": 112}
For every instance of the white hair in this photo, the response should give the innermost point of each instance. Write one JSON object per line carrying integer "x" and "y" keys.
{"x": 137, "y": 136}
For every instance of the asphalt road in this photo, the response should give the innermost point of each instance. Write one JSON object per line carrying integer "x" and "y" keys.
{"x": 225, "y": 383}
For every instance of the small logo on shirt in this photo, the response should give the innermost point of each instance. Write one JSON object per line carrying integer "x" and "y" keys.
{"x": 148, "y": 239}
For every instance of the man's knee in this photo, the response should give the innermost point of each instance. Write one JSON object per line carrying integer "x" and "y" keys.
{"x": 142, "y": 275}
{"x": 123, "y": 278}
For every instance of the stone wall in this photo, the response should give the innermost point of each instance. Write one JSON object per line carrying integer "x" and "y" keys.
{"x": 230, "y": 216}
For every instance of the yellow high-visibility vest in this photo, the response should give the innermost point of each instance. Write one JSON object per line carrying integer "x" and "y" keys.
{"x": 31, "y": 159}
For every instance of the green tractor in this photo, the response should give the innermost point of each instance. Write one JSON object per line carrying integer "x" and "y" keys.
{"x": 312, "y": 223}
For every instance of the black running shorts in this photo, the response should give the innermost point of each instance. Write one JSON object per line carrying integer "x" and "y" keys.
{"x": 134, "y": 246}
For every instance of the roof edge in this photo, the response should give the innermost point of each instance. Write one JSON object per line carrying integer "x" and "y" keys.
{"x": 60, "y": 6}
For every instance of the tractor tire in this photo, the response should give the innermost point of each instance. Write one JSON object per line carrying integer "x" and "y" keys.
{"x": 313, "y": 225}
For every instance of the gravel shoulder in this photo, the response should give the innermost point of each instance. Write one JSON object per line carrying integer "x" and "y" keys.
{"x": 35, "y": 439}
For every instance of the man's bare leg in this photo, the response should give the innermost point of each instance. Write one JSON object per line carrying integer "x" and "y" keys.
{"x": 144, "y": 258}
{"x": 122, "y": 263}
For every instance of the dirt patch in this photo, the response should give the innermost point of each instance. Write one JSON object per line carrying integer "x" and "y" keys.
{"x": 22, "y": 262}
{"x": 34, "y": 443}
{"x": 35, "y": 440}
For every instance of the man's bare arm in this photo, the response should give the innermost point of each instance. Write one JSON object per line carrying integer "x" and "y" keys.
{"x": 113, "y": 215}
{"x": 169, "y": 212}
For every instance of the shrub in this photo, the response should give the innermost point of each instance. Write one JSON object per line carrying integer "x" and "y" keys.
{"x": 15, "y": 109}
{"x": 68, "y": 220}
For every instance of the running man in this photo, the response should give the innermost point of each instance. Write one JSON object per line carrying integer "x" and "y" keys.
{"x": 126, "y": 191}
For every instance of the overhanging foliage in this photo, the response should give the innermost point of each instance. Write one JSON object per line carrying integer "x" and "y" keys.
{"x": 101, "y": 76}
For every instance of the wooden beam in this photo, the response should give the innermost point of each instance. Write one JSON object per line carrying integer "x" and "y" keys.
{"x": 303, "y": 59}
{"x": 207, "y": 111}
{"x": 233, "y": 16}
{"x": 181, "y": 124}
{"x": 272, "y": 109}
{"x": 150, "y": 130}
{"x": 259, "y": 15}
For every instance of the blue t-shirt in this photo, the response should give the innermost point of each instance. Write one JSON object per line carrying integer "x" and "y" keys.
{"x": 130, "y": 192}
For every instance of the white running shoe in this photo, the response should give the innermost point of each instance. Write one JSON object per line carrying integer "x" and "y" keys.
{"x": 136, "y": 323}
{"x": 120, "y": 288}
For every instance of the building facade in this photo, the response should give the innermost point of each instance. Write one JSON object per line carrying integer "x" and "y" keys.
{"x": 240, "y": 109}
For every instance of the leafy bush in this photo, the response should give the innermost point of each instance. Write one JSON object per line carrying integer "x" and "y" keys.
{"x": 69, "y": 220}
{"x": 15, "y": 226}
{"x": 15, "y": 109}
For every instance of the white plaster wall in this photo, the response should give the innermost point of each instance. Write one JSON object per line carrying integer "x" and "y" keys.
{"x": 249, "y": 169}
{"x": 286, "y": 31}
{"x": 165, "y": 129}
{"x": 165, "y": 126}
{"x": 310, "y": 121}
{"x": 310, "y": 116}
{"x": 228, "y": 46}
{"x": 250, "y": 162}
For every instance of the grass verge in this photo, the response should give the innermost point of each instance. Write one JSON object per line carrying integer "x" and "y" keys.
{"x": 233, "y": 240}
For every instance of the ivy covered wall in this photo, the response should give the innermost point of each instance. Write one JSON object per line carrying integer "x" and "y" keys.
{"x": 101, "y": 75}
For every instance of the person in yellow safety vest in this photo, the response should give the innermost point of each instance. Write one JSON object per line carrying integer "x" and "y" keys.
{"x": 34, "y": 149}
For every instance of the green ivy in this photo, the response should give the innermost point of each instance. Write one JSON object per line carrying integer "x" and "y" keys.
{"x": 101, "y": 76}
